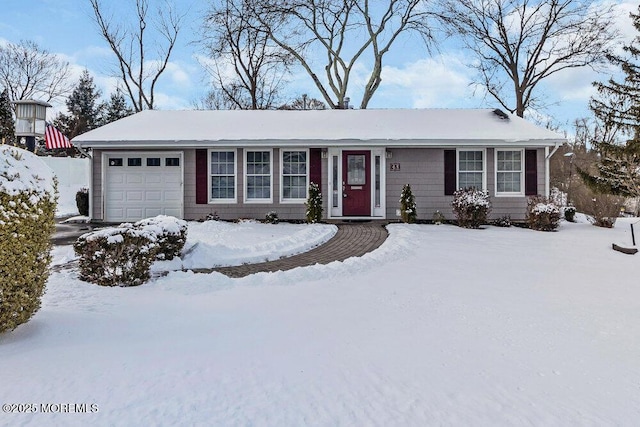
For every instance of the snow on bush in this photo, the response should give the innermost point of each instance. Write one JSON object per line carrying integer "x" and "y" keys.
{"x": 117, "y": 256}
{"x": 471, "y": 207}
{"x": 170, "y": 232}
{"x": 408, "y": 209}
{"x": 542, "y": 214}
{"x": 122, "y": 256}
{"x": 27, "y": 209}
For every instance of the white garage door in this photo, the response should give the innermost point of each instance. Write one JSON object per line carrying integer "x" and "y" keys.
{"x": 142, "y": 185}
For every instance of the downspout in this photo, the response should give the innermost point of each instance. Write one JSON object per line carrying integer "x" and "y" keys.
{"x": 547, "y": 156}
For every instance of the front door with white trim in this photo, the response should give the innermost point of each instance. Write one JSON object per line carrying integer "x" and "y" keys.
{"x": 356, "y": 182}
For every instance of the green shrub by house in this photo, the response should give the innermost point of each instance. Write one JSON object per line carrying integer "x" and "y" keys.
{"x": 271, "y": 217}
{"x": 82, "y": 201}
{"x": 408, "y": 211}
{"x": 570, "y": 214}
{"x": 27, "y": 211}
{"x": 314, "y": 204}
{"x": 471, "y": 207}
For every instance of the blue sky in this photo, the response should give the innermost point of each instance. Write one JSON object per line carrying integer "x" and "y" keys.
{"x": 412, "y": 78}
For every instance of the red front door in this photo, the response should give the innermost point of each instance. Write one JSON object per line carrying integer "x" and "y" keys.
{"x": 356, "y": 185}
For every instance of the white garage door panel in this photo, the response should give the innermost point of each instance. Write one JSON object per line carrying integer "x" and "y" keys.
{"x": 115, "y": 178}
{"x": 135, "y": 196}
{"x": 135, "y": 178}
{"x": 116, "y": 196}
{"x": 135, "y": 192}
{"x": 153, "y": 196}
{"x": 153, "y": 179}
{"x": 172, "y": 196}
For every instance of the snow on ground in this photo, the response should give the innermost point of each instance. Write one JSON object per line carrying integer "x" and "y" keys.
{"x": 218, "y": 243}
{"x": 439, "y": 326}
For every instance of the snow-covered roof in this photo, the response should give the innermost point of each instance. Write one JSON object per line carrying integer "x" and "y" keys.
{"x": 388, "y": 127}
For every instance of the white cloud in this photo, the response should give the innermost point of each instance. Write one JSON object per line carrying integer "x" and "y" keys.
{"x": 442, "y": 81}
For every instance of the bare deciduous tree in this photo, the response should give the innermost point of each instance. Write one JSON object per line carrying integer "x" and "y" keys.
{"x": 28, "y": 71}
{"x": 247, "y": 68}
{"x": 344, "y": 32}
{"x": 131, "y": 45}
{"x": 519, "y": 43}
{"x": 304, "y": 103}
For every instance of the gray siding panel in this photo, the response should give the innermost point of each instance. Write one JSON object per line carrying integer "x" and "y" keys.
{"x": 422, "y": 168}
{"x": 231, "y": 211}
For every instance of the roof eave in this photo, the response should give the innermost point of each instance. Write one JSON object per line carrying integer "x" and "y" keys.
{"x": 318, "y": 143}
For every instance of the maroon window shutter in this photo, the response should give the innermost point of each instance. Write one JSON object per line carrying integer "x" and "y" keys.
{"x": 202, "y": 191}
{"x": 449, "y": 172}
{"x": 315, "y": 165}
{"x": 530, "y": 172}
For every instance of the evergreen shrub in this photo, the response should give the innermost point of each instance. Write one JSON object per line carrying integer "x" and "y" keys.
{"x": 503, "y": 221}
{"x": 170, "y": 233}
{"x": 314, "y": 204}
{"x": 27, "y": 212}
{"x": 408, "y": 210}
{"x": 122, "y": 256}
{"x": 272, "y": 217}
{"x": 570, "y": 213}
{"x": 542, "y": 214}
{"x": 82, "y": 201}
{"x": 438, "y": 218}
{"x": 116, "y": 256}
{"x": 471, "y": 207}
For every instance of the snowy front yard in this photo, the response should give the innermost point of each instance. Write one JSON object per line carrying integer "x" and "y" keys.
{"x": 439, "y": 326}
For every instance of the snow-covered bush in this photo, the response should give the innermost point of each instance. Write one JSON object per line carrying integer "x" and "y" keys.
{"x": 117, "y": 256}
{"x": 314, "y": 204}
{"x": 408, "y": 210}
{"x": 27, "y": 211}
{"x": 471, "y": 207}
{"x": 503, "y": 221}
{"x": 122, "y": 256}
{"x": 170, "y": 233}
{"x": 542, "y": 214}
{"x": 271, "y": 217}
{"x": 82, "y": 201}
{"x": 570, "y": 213}
{"x": 438, "y": 218}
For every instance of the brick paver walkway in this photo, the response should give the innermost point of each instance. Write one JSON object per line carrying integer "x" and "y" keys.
{"x": 351, "y": 240}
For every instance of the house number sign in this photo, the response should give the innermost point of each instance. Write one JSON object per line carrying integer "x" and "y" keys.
{"x": 394, "y": 166}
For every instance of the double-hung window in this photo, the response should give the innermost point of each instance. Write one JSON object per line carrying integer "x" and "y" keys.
{"x": 258, "y": 176}
{"x": 294, "y": 175}
{"x": 223, "y": 176}
{"x": 509, "y": 172}
{"x": 471, "y": 169}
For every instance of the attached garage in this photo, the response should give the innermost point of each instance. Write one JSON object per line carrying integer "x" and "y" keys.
{"x": 142, "y": 185}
